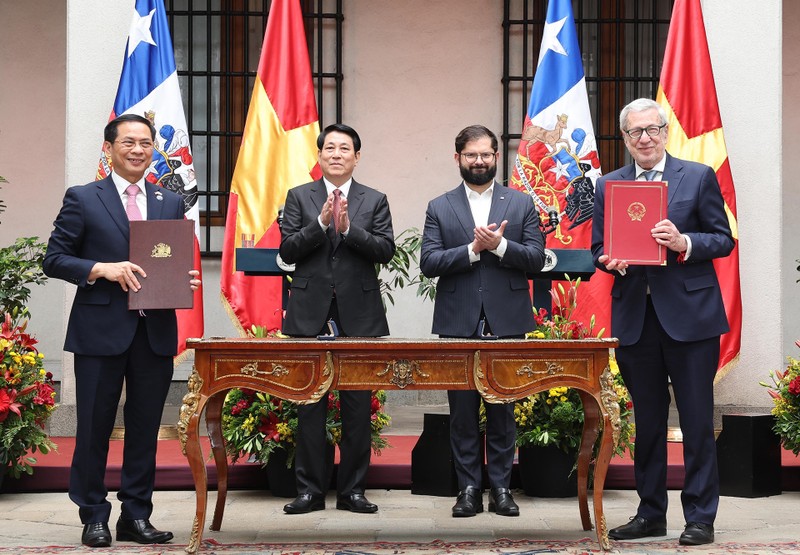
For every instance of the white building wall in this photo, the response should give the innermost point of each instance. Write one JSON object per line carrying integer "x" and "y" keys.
{"x": 416, "y": 72}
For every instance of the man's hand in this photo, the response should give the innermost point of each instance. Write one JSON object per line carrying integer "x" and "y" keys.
{"x": 613, "y": 264}
{"x": 665, "y": 233}
{"x": 486, "y": 238}
{"x": 343, "y": 225}
{"x": 194, "y": 283}
{"x": 123, "y": 273}
{"x": 326, "y": 214}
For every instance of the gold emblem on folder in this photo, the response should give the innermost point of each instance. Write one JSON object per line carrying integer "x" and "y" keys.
{"x": 161, "y": 250}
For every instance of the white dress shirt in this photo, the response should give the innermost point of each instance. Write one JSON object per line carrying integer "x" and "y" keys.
{"x": 480, "y": 204}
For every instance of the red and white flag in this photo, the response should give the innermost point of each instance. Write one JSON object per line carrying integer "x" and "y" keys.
{"x": 557, "y": 162}
{"x": 149, "y": 87}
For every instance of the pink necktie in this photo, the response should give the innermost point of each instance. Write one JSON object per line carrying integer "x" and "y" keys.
{"x": 337, "y": 207}
{"x": 131, "y": 207}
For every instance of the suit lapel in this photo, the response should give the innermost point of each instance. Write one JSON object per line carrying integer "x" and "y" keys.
{"x": 155, "y": 202}
{"x": 673, "y": 175}
{"x": 107, "y": 193}
{"x": 460, "y": 205}
{"x": 499, "y": 207}
{"x": 355, "y": 199}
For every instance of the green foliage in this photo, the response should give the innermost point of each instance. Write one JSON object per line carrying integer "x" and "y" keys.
{"x": 785, "y": 393}
{"x": 255, "y": 424}
{"x": 20, "y": 266}
{"x": 27, "y": 399}
{"x": 399, "y": 268}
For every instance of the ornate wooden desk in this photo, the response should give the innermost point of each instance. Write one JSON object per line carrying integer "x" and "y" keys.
{"x": 303, "y": 370}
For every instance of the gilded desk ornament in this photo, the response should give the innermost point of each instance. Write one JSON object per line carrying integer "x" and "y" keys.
{"x": 251, "y": 369}
{"x": 189, "y": 407}
{"x": 610, "y": 400}
{"x": 323, "y": 388}
{"x": 402, "y": 371}
{"x": 551, "y": 369}
{"x": 479, "y": 378}
{"x": 194, "y": 538}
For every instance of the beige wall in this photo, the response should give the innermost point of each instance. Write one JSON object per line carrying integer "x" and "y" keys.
{"x": 415, "y": 73}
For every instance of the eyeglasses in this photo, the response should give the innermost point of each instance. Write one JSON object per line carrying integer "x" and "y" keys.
{"x": 651, "y": 130}
{"x": 485, "y": 156}
{"x": 129, "y": 145}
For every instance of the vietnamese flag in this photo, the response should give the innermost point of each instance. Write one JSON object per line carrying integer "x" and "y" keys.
{"x": 688, "y": 95}
{"x": 278, "y": 151}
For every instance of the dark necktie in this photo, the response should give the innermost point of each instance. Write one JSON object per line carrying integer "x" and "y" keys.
{"x": 337, "y": 208}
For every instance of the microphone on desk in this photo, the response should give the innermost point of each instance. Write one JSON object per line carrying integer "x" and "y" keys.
{"x": 280, "y": 216}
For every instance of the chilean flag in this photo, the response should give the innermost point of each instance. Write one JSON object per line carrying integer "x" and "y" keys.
{"x": 557, "y": 162}
{"x": 149, "y": 87}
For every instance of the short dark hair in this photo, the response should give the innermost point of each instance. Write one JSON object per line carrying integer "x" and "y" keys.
{"x": 473, "y": 133}
{"x": 110, "y": 132}
{"x": 341, "y": 128}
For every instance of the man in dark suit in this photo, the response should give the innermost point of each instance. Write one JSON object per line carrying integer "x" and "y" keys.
{"x": 480, "y": 240}
{"x": 335, "y": 230}
{"x": 89, "y": 248}
{"x": 669, "y": 320}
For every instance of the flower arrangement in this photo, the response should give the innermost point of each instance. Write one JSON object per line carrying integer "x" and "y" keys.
{"x": 555, "y": 417}
{"x": 255, "y": 424}
{"x": 27, "y": 399}
{"x": 785, "y": 393}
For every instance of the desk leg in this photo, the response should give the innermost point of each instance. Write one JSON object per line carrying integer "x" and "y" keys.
{"x": 214, "y": 426}
{"x": 591, "y": 418}
{"x": 188, "y": 428}
{"x": 609, "y": 407}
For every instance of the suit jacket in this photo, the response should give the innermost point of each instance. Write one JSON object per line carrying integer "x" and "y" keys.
{"x": 328, "y": 263}
{"x": 501, "y": 287}
{"x": 686, "y": 296}
{"x": 92, "y": 227}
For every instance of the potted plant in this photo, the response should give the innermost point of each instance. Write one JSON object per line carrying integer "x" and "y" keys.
{"x": 785, "y": 393}
{"x": 550, "y": 423}
{"x": 27, "y": 400}
{"x": 263, "y": 428}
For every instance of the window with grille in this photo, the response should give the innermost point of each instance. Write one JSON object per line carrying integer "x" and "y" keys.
{"x": 622, "y": 44}
{"x": 217, "y": 48}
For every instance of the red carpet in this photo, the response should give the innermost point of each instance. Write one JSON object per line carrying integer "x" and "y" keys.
{"x": 390, "y": 470}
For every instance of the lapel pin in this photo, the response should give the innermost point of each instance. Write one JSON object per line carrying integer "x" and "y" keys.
{"x": 158, "y": 195}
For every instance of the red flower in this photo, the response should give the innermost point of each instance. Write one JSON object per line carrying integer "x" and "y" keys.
{"x": 376, "y": 405}
{"x": 45, "y": 395}
{"x": 8, "y": 403}
{"x": 540, "y": 317}
{"x": 269, "y": 427}
{"x": 794, "y": 386}
{"x": 240, "y": 405}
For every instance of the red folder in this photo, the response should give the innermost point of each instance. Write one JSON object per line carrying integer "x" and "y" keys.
{"x": 632, "y": 209}
{"x": 165, "y": 251}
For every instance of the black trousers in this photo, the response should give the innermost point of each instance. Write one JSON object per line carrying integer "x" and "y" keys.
{"x": 98, "y": 383}
{"x": 311, "y": 465}
{"x": 647, "y": 368}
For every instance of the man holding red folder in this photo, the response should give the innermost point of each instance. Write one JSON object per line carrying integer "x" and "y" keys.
{"x": 668, "y": 320}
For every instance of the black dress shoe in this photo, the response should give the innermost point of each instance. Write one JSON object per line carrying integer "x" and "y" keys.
{"x": 469, "y": 502}
{"x": 305, "y": 503}
{"x": 697, "y": 533}
{"x": 502, "y": 502}
{"x": 639, "y": 527}
{"x": 96, "y": 534}
{"x": 355, "y": 503}
{"x": 140, "y": 531}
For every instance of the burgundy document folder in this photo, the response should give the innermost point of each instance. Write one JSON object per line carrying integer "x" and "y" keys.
{"x": 165, "y": 250}
{"x": 632, "y": 209}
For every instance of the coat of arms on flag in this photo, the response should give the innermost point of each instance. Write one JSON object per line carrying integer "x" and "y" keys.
{"x": 557, "y": 162}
